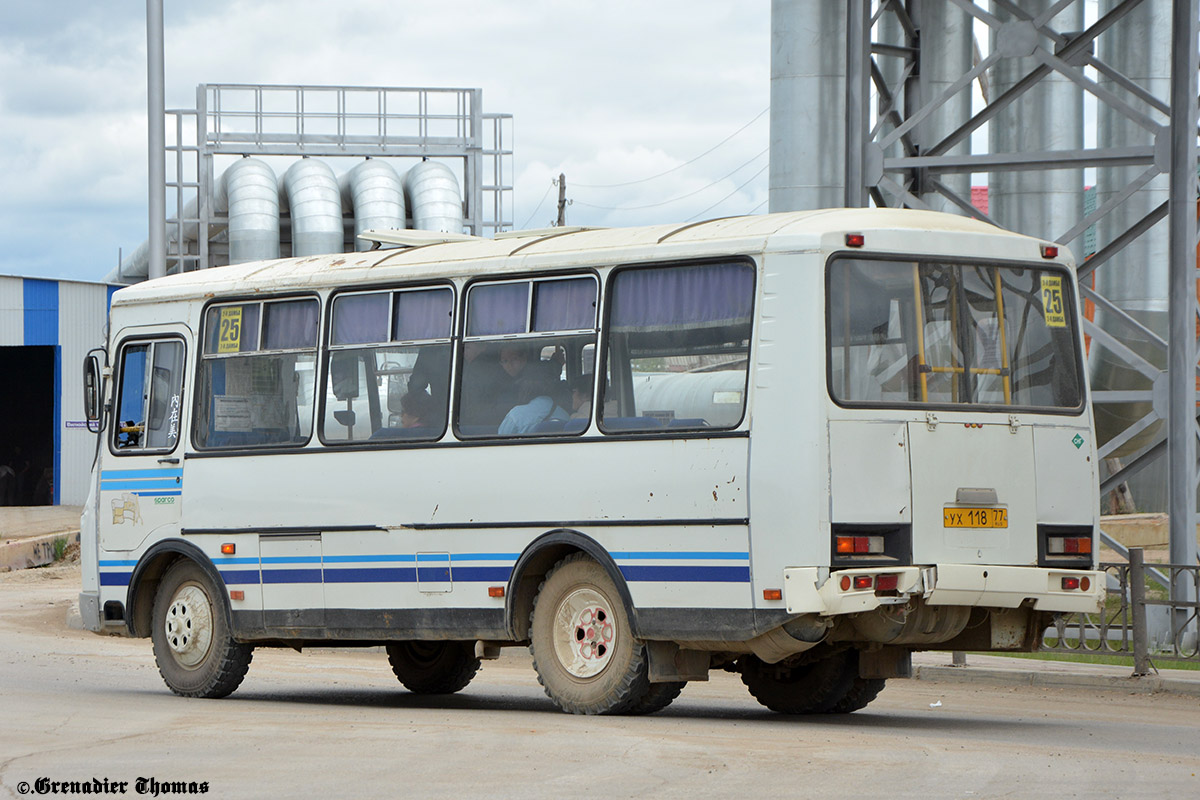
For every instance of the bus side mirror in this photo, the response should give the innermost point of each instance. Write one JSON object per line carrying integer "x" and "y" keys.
{"x": 92, "y": 393}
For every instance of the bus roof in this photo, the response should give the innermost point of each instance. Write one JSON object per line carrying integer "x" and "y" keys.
{"x": 572, "y": 247}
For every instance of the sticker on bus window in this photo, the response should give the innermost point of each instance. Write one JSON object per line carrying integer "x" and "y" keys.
{"x": 229, "y": 338}
{"x": 1052, "y": 302}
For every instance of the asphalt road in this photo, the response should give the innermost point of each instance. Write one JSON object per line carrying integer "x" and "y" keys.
{"x": 75, "y": 707}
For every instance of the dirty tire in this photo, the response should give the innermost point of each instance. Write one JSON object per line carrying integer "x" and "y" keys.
{"x": 812, "y": 688}
{"x": 583, "y": 649}
{"x": 659, "y": 696}
{"x": 193, "y": 646}
{"x": 433, "y": 667}
{"x": 861, "y": 693}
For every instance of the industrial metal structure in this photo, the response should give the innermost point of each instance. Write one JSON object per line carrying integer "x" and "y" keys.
{"x": 258, "y": 171}
{"x": 878, "y": 93}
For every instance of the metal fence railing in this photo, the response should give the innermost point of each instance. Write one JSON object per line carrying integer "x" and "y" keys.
{"x": 1151, "y": 613}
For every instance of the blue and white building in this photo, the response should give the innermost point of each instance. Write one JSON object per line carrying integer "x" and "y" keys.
{"x": 46, "y": 329}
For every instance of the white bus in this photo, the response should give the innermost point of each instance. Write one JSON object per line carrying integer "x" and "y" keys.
{"x": 794, "y": 446}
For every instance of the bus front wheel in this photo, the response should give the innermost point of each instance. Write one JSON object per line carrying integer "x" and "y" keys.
{"x": 584, "y": 652}
{"x": 193, "y": 646}
{"x": 433, "y": 667}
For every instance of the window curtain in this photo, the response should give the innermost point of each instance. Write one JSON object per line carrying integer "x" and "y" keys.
{"x": 675, "y": 298}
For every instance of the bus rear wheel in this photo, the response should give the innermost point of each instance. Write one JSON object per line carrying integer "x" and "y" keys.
{"x": 815, "y": 687}
{"x": 193, "y": 646}
{"x": 583, "y": 648}
{"x": 433, "y": 667}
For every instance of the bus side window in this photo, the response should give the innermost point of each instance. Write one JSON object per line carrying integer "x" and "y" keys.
{"x": 255, "y": 385}
{"x": 388, "y": 366}
{"x": 525, "y": 356}
{"x": 678, "y": 347}
{"x": 149, "y": 397}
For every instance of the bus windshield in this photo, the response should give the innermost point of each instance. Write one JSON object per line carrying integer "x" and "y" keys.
{"x": 937, "y": 333}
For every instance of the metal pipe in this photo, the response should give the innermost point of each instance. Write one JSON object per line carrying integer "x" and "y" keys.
{"x": 1137, "y": 612}
{"x": 156, "y": 145}
{"x": 311, "y": 194}
{"x": 808, "y": 97}
{"x": 372, "y": 192}
{"x": 247, "y": 191}
{"x": 434, "y": 197}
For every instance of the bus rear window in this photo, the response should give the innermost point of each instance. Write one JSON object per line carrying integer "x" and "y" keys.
{"x": 936, "y": 333}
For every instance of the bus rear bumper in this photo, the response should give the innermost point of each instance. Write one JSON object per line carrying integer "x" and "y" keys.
{"x": 812, "y": 590}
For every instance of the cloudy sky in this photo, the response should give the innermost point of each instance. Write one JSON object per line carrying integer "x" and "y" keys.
{"x": 609, "y": 93}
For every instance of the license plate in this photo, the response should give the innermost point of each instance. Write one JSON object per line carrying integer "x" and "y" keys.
{"x": 975, "y": 517}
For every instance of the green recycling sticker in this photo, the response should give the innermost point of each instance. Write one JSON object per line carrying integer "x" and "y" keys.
{"x": 1077, "y": 441}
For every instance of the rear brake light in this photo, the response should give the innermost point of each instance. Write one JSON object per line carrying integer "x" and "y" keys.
{"x": 1070, "y": 583}
{"x": 862, "y": 581}
{"x": 1068, "y": 545}
{"x": 887, "y": 583}
{"x": 855, "y": 240}
{"x": 860, "y": 545}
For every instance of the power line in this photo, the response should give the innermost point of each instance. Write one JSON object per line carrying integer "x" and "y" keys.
{"x": 726, "y": 197}
{"x": 682, "y": 196}
{"x": 680, "y": 166}
{"x": 539, "y": 205}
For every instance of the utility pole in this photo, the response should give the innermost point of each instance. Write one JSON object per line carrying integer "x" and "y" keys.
{"x": 562, "y": 200}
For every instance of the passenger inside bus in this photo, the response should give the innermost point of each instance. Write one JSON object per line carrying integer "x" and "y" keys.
{"x": 536, "y": 406}
{"x": 419, "y": 410}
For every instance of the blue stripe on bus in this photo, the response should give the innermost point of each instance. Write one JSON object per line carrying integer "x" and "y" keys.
{"x": 115, "y": 578}
{"x": 239, "y": 576}
{"x": 122, "y": 563}
{"x": 291, "y": 576}
{"x": 367, "y": 559}
{"x": 130, "y": 474}
{"x": 371, "y": 575}
{"x": 433, "y": 574}
{"x": 291, "y": 560}
{"x": 482, "y": 574}
{"x": 485, "y": 557}
{"x": 226, "y": 561}
{"x": 175, "y": 493}
{"x": 688, "y": 574}
{"x": 132, "y": 486}
{"x": 674, "y": 556}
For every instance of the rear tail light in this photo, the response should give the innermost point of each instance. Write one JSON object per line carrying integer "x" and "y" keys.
{"x": 1068, "y": 545}
{"x": 860, "y": 545}
{"x": 887, "y": 583}
{"x": 863, "y": 581}
{"x": 1069, "y": 584}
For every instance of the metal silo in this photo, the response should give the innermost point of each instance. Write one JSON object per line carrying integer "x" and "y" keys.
{"x": 1136, "y": 280}
{"x": 808, "y": 101}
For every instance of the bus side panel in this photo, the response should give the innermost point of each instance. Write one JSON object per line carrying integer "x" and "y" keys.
{"x": 788, "y": 459}
{"x": 366, "y": 533}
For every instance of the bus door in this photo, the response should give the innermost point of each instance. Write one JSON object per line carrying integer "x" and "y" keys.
{"x": 141, "y": 476}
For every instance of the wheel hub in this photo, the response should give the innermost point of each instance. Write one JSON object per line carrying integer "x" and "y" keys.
{"x": 189, "y": 625}
{"x": 585, "y": 633}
